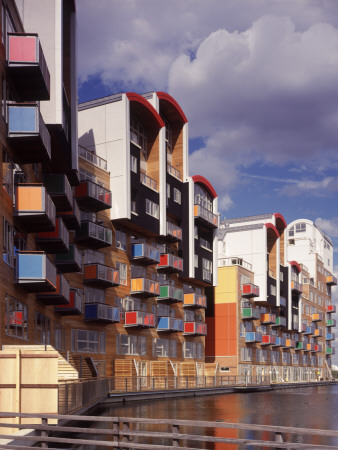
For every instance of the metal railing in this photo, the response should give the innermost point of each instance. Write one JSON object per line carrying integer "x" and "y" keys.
{"x": 149, "y": 182}
{"x": 92, "y": 158}
{"x": 174, "y": 172}
{"x": 234, "y": 261}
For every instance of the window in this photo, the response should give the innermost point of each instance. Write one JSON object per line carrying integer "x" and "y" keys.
{"x": 261, "y": 355}
{"x": 205, "y": 244}
{"x": 120, "y": 240}
{"x": 131, "y": 345}
{"x": 123, "y": 269}
{"x": 246, "y": 354}
{"x": 192, "y": 350}
{"x": 137, "y": 133}
{"x": 300, "y": 227}
{"x": 16, "y": 323}
{"x": 196, "y": 232}
{"x": 281, "y": 276}
{"x": 133, "y": 164}
{"x": 7, "y": 173}
{"x": 177, "y": 196}
{"x": 85, "y": 341}
{"x": 207, "y": 269}
{"x": 286, "y": 358}
{"x": 272, "y": 289}
{"x": 152, "y": 209}
{"x": 85, "y": 175}
{"x": 59, "y": 336}
{"x": 42, "y": 329}
{"x": 274, "y": 357}
{"x": 168, "y": 139}
{"x": 8, "y": 244}
{"x": 202, "y": 197}
{"x": 196, "y": 261}
{"x": 292, "y": 231}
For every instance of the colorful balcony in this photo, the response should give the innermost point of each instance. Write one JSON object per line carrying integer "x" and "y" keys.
{"x": 93, "y": 235}
{"x": 331, "y": 309}
{"x": 330, "y": 337}
{"x": 28, "y": 134}
{"x": 331, "y": 280}
{"x": 72, "y": 218}
{"x": 56, "y": 241}
{"x": 296, "y": 287}
{"x": 330, "y": 351}
{"x": 250, "y": 313}
{"x": 318, "y": 317}
{"x": 60, "y": 191}
{"x": 280, "y": 342}
{"x": 318, "y": 333}
{"x": 145, "y": 254}
{"x": 193, "y": 300}
{"x": 331, "y": 323}
{"x": 139, "y": 319}
{"x": 268, "y": 318}
{"x": 27, "y": 67}
{"x": 70, "y": 261}
{"x": 34, "y": 272}
{"x": 252, "y": 336}
{"x": 99, "y": 312}
{"x": 195, "y": 329}
{"x": 92, "y": 196}
{"x": 74, "y": 307}
{"x": 267, "y": 339}
{"x": 204, "y": 215}
{"x": 290, "y": 343}
{"x": 174, "y": 232}
{"x": 300, "y": 345}
{"x": 170, "y": 324}
{"x": 34, "y": 208}
{"x": 280, "y": 322}
{"x": 145, "y": 287}
{"x": 318, "y": 348}
{"x": 170, "y": 293}
{"x": 170, "y": 263}
{"x": 58, "y": 297}
{"x": 100, "y": 276}
{"x": 250, "y": 290}
{"x": 310, "y": 347}
{"x": 310, "y": 329}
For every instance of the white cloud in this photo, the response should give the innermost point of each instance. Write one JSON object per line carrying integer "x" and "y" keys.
{"x": 330, "y": 227}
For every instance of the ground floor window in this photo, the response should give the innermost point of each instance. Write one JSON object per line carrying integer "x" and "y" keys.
{"x": 59, "y": 336}
{"x": 192, "y": 350}
{"x": 86, "y": 341}
{"x": 42, "y": 329}
{"x": 131, "y": 345}
{"x": 16, "y": 323}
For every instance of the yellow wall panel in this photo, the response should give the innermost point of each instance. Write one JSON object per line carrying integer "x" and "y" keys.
{"x": 227, "y": 289}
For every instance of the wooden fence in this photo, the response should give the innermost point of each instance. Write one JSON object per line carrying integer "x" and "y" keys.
{"x": 159, "y": 434}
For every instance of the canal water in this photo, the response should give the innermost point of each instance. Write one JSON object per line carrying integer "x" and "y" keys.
{"x": 312, "y": 407}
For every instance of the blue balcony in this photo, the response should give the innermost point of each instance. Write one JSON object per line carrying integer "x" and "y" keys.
{"x": 70, "y": 261}
{"x": 34, "y": 272}
{"x": 280, "y": 342}
{"x": 310, "y": 329}
{"x": 98, "y": 312}
{"x": 252, "y": 336}
{"x": 145, "y": 254}
{"x": 170, "y": 324}
{"x": 330, "y": 337}
{"x": 28, "y": 134}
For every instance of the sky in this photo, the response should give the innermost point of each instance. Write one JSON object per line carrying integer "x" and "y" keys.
{"x": 257, "y": 80}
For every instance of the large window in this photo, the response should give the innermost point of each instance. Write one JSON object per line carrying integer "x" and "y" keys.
{"x": 16, "y": 323}
{"x": 137, "y": 133}
{"x": 202, "y": 197}
{"x": 120, "y": 239}
{"x": 42, "y": 329}
{"x": 152, "y": 208}
{"x": 246, "y": 354}
{"x": 131, "y": 345}
{"x": 123, "y": 269}
{"x": 192, "y": 350}
{"x": 8, "y": 244}
{"x": 85, "y": 341}
{"x": 165, "y": 348}
{"x": 59, "y": 336}
{"x": 7, "y": 173}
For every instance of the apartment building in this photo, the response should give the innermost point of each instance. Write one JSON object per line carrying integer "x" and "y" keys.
{"x": 259, "y": 321}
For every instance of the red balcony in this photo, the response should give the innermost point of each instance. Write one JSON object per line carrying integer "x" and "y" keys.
{"x": 27, "y": 67}
{"x": 170, "y": 263}
{"x": 195, "y": 329}
{"x": 100, "y": 276}
{"x": 56, "y": 241}
{"x": 193, "y": 300}
{"x": 267, "y": 339}
{"x": 92, "y": 196}
{"x": 331, "y": 308}
{"x": 70, "y": 261}
{"x": 296, "y": 287}
{"x": 60, "y": 296}
{"x": 60, "y": 191}
{"x": 145, "y": 287}
{"x": 250, "y": 290}
{"x": 331, "y": 280}
{"x": 72, "y": 218}
{"x": 74, "y": 307}
{"x": 139, "y": 319}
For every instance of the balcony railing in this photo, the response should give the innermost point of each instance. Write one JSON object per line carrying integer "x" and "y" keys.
{"x": 195, "y": 328}
{"x": 139, "y": 319}
{"x": 145, "y": 254}
{"x": 27, "y": 67}
{"x": 169, "y": 324}
{"x": 250, "y": 290}
{"x": 174, "y": 172}
{"x": 70, "y": 261}
{"x": 60, "y": 191}
{"x": 331, "y": 309}
{"x": 290, "y": 343}
{"x": 268, "y": 318}
{"x": 193, "y": 300}
{"x": 74, "y": 307}
{"x": 331, "y": 280}
{"x": 317, "y": 317}
{"x": 58, "y": 297}
{"x": 100, "y": 275}
{"x": 300, "y": 345}
{"x": 297, "y": 287}
{"x": 92, "y": 196}
{"x": 54, "y": 241}
{"x": 318, "y": 333}
{"x": 34, "y": 272}
{"x": 250, "y": 313}
{"x": 170, "y": 293}
{"x": 174, "y": 232}
{"x": 206, "y": 216}
{"x": 34, "y": 207}
{"x": 93, "y": 159}
{"x": 28, "y": 133}
{"x": 310, "y": 347}
{"x": 100, "y": 312}
{"x": 72, "y": 219}
{"x": 280, "y": 342}
{"x": 170, "y": 263}
{"x": 145, "y": 286}
{"x": 280, "y": 322}
{"x": 268, "y": 339}
{"x": 310, "y": 330}
{"x": 252, "y": 336}
{"x": 330, "y": 337}
{"x": 330, "y": 351}
{"x": 331, "y": 323}
{"x": 149, "y": 182}
{"x": 93, "y": 235}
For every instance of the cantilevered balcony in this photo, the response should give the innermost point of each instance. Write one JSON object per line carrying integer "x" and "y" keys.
{"x": 195, "y": 329}
{"x": 280, "y": 342}
{"x": 169, "y": 324}
{"x": 268, "y": 339}
{"x": 34, "y": 208}
{"x": 60, "y": 191}
{"x": 318, "y": 348}
{"x": 310, "y": 330}
{"x": 74, "y": 307}
{"x": 28, "y": 134}
{"x": 310, "y": 347}
{"x": 318, "y": 317}
{"x": 296, "y": 287}
{"x": 318, "y": 332}
{"x": 58, "y": 297}
{"x": 290, "y": 343}
{"x": 250, "y": 290}
{"x": 92, "y": 196}
{"x": 27, "y": 68}
{"x": 99, "y": 312}
{"x": 268, "y": 318}
{"x": 170, "y": 263}
{"x": 34, "y": 272}
{"x": 56, "y": 241}
{"x": 250, "y": 313}
{"x": 72, "y": 218}
{"x": 139, "y": 319}
{"x": 280, "y": 322}
{"x": 174, "y": 232}
{"x": 93, "y": 235}
{"x": 204, "y": 215}
{"x": 145, "y": 254}
{"x": 170, "y": 293}
{"x": 251, "y": 336}
{"x": 331, "y": 323}
{"x": 145, "y": 287}
{"x": 149, "y": 182}
{"x": 331, "y": 280}
{"x": 331, "y": 309}
{"x": 70, "y": 261}
{"x": 301, "y": 345}
{"x": 330, "y": 337}
{"x": 330, "y": 351}
{"x": 100, "y": 275}
{"x": 193, "y": 300}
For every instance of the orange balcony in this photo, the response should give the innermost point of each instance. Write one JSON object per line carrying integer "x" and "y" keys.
{"x": 193, "y": 300}
{"x": 70, "y": 261}
{"x": 290, "y": 343}
{"x": 318, "y": 333}
{"x": 205, "y": 216}
{"x": 74, "y": 307}
{"x": 72, "y": 218}
{"x": 145, "y": 287}
{"x": 34, "y": 272}
{"x": 92, "y": 196}
{"x": 56, "y": 241}
{"x": 296, "y": 287}
{"x": 195, "y": 329}
{"x": 60, "y": 191}
{"x": 170, "y": 263}
{"x": 268, "y": 318}
{"x": 60, "y": 296}
{"x": 317, "y": 317}
{"x": 100, "y": 275}
{"x": 34, "y": 208}
{"x": 27, "y": 67}
{"x": 331, "y": 280}
{"x": 250, "y": 290}
{"x": 309, "y": 347}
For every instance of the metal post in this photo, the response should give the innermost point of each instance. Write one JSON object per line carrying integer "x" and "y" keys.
{"x": 44, "y": 421}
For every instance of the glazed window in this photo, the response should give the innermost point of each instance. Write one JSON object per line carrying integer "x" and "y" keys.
{"x": 42, "y": 329}
{"x": 168, "y": 139}
{"x": 16, "y": 323}
{"x": 152, "y": 209}
{"x": 121, "y": 240}
{"x": 177, "y": 196}
{"x": 85, "y": 341}
{"x": 122, "y": 268}
{"x": 133, "y": 164}
{"x": 8, "y": 243}
{"x": 300, "y": 227}
{"x": 202, "y": 197}
{"x": 7, "y": 173}
{"x": 137, "y": 133}
{"x": 59, "y": 336}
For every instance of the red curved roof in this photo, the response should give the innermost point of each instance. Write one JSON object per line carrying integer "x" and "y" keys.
{"x": 206, "y": 184}
{"x": 271, "y": 226}
{"x": 279, "y": 216}
{"x": 168, "y": 98}
{"x": 142, "y": 101}
{"x": 296, "y": 265}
